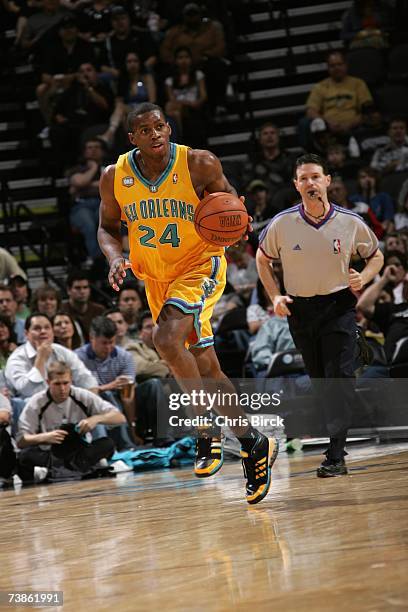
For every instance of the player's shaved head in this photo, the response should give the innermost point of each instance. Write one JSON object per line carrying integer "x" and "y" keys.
{"x": 139, "y": 111}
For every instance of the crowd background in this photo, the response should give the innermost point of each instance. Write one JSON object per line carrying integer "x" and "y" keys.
{"x": 94, "y": 62}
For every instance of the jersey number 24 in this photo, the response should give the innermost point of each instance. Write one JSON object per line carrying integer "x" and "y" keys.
{"x": 169, "y": 236}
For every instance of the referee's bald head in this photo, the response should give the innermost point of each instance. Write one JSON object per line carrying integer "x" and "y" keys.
{"x": 310, "y": 158}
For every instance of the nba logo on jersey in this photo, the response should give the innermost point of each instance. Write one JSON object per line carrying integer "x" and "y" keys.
{"x": 175, "y": 178}
{"x": 336, "y": 245}
{"x": 128, "y": 181}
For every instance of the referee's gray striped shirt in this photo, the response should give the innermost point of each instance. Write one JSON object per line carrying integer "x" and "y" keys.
{"x": 316, "y": 256}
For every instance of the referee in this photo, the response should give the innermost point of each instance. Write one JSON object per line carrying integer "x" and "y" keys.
{"x": 314, "y": 241}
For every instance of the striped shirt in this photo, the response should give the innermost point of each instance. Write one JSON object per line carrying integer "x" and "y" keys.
{"x": 316, "y": 256}
{"x": 118, "y": 363}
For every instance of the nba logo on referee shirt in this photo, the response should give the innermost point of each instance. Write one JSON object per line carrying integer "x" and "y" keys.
{"x": 336, "y": 245}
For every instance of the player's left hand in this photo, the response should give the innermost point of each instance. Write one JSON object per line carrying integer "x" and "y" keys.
{"x": 250, "y": 219}
{"x": 355, "y": 280}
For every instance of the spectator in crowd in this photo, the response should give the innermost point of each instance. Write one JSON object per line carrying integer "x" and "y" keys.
{"x": 95, "y": 20}
{"x": 259, "y": 312}
{"x": 26, "y": 369}
{"x": 79, "y": 304}
{"x": 391, "y": 318}
{"x": 8, "y": 308}
{"x": 50, "y": 426}
{"x": 241, "y": 270}
{"x": 8, "y": 340}
{"x": 398, "y": 286}
{"x": 394, "y": 241}
{"x": 315, "y": 136}
{"x": 84, "y": 189}
{"x": 39, "y": 31}
{"x": 150, "y": 369}
{"x": 401, "y": 217}
{"x": 47, "y": 300}
{"x": 270, "y": 163}
{"x": 338, "y": 164}
{"x": 87, "y": 103}
{"x": 123, "y": 39}
{"x": 134, "y": 87}
{"x": 338, "y": 99}
{"x": 380, "y": 203}
{"x": 338, "y": 193}
{"x": 371, "y": 135}
{"x": 114, "y": 370}
{"x": 65, "y": 331}
{"x": 122, "y": 338}
{"x": 9, "y": 266}
{"x": 130, "y": 305}
{"x": 186, "y": 94}
{"x": 149, "y": 16}
{"x": 59, "y": 68}
{"x": 205, "y": 39}
{"x": 259, "y": 205}
{"x": 366, "y": 24}
{"x": 393, "y": 157}
{"x": 148, "y": 362}
{"x": 273, "y": 336}
{"x": 21, "y": 291}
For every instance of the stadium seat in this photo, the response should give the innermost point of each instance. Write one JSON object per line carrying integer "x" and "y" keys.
{"x": 285, "y": 363}
{"x": 367, "y": 64}
{"x": 399, "y": 361}
{"x": 398, "y": 64}
{"x": 392, "y": 99}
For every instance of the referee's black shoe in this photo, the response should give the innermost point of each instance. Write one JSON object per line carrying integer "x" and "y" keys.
{"x": 332, "y": 467}
{"x": 257, "y": 465}
{"x": 209, "y": 456}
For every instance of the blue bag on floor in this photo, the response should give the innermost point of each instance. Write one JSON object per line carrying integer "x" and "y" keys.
{"x": 180, "y": 453}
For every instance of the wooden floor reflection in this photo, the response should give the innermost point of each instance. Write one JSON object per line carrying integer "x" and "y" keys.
{"x": 168, "y": 541}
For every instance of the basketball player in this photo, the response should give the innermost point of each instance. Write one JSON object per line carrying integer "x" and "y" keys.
{"x": 155, "y": 188}
{"x": 314, "y": 241}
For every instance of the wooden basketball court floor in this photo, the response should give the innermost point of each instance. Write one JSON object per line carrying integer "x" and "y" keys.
{"x": 168, "y": 541}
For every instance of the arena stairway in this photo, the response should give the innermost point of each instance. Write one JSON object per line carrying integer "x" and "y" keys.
{"x": 32, "y": 222}
{"x": 283, "y": 54}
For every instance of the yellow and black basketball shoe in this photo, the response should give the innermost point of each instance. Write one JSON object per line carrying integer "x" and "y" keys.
{"x": 257, "y": 462}
{"x": 209, "y": 455}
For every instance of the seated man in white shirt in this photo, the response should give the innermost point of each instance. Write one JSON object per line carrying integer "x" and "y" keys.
{"x": 53, "y": 424}
{"x": 26, "y": 369}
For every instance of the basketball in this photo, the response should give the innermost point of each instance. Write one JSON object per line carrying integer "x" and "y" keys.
{"x": 221, "y": 219}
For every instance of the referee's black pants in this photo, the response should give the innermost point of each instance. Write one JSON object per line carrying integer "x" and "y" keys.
{"x": 324, "y": 329}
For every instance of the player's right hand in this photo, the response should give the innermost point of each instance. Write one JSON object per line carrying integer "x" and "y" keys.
{"x": 280, "y": 305}
{"x": 117, "y": 272}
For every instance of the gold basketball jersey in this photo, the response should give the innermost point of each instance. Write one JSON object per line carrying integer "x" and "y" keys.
{"x": 160, "y": 217}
